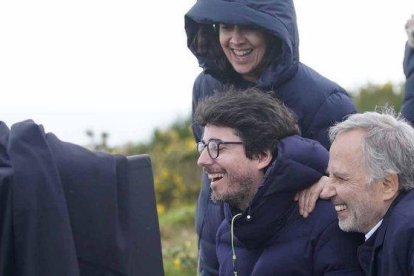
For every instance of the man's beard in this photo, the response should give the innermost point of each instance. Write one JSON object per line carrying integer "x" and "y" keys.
{"x": 240, "y": 191}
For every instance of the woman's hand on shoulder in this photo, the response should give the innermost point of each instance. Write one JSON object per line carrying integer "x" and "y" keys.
{"x": 307, "y": 198}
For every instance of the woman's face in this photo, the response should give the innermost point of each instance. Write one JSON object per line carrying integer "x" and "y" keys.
{"x": 244, "y": 47}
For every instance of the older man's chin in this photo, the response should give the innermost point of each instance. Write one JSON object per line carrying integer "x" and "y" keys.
{"x": 348, "y": 225}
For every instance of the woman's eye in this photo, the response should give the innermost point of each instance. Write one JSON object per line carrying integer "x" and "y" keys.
{"x": 251, "y": 28}
{"x": 226, "y": 27}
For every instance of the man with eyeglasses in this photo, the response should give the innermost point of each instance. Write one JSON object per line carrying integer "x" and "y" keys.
{"x": 256, "y": 162}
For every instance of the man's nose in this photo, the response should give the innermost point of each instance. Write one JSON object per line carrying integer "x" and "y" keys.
{"x": 204, "y": 158}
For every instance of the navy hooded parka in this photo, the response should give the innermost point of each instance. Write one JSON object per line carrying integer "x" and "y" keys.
{"x": 270, "y": 236}
{"x": 316, "y": 101}
{"x": 407, "y": 108}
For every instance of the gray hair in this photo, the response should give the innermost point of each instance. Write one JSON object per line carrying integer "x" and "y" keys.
{"x": 387, "y": 147}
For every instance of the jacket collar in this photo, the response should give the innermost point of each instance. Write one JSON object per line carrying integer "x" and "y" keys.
{"x": 300, "y": 162}
{"x": 368, "y": 252}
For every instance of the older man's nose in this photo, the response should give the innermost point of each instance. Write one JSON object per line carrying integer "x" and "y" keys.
{"x": 328, "y": 190}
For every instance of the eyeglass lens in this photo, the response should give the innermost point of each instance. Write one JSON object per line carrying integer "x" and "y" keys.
{"x": 212, "y": 148}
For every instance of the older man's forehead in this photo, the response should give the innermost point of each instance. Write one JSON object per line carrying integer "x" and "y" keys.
{"x": 345, "y": 154}
{"x": 349, "y": 142}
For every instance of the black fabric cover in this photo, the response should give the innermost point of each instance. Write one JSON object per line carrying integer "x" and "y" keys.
{"x": 65, "y": 210}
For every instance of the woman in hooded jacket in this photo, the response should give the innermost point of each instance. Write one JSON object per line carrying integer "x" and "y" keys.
{"x": 254, "y": 43}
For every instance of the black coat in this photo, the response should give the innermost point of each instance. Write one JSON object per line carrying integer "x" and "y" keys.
{"x": 390, "y": 250}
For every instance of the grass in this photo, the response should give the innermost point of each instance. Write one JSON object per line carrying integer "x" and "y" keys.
{"x": 179, "y": 241}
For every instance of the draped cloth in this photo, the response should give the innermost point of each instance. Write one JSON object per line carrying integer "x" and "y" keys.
{"x": 66, "y": 210}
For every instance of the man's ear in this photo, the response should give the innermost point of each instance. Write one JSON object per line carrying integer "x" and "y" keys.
{"x": 390, "y": 187}
{"x": 263, "y": 159}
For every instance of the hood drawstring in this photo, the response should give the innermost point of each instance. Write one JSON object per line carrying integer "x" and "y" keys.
{"x": 249, "y": 216}
{"x": 234, "y": 258}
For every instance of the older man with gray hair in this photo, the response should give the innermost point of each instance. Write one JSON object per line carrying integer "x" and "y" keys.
{"x": 371, "y": 171}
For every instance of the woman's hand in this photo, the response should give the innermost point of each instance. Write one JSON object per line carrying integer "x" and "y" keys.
{"x": 307, "y": 198}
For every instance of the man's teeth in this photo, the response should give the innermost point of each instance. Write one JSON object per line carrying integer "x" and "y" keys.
{"x": 215, "y": 176}
{"x": 242, "y": 53}
{"x": 340, "y": 207}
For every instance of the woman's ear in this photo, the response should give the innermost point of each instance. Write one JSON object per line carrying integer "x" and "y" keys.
{"x": 263, "y": 159}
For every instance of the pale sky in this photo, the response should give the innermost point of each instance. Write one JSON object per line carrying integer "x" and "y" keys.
{"x": 123, "y": 66}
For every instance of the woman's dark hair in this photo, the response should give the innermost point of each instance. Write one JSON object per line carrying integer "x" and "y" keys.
{"x": 207, "y": 44}
{"x": 259, "y": 119}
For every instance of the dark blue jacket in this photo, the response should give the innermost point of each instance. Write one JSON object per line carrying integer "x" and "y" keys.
{"x": 390, "y": 250}
{"x": 271, "y": 238}
{"x": 407, "y": 109}
{"x": 64, "y": 210}
{"x": 317, "y": 102}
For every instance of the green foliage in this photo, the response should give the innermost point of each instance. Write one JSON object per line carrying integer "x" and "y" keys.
{"x": 181, "y": 260}
{"x": 176, "y": 174}
{"x": 178, "y": 217}
{"x": 179, "y": 241}
{"x": 371, "y": 96}
{"x": 177, "y": 183}
{"x": 174, "y": 156}
{"x": 102, "y": 145}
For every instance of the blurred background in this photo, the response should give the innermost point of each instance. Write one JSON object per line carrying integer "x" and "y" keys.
{"x": 117, "y": 77}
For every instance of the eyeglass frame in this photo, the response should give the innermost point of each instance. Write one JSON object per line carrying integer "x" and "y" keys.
{"x": 218, "y": 143}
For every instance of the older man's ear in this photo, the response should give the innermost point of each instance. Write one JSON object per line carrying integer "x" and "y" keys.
{"x": 390, "y": 187}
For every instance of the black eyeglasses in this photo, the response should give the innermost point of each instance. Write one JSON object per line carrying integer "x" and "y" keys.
{"x": 213, "y": 147}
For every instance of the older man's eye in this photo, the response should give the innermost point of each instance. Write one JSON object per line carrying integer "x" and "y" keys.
{"x": 337, "y": 178}
{"x": 341, "y": 179}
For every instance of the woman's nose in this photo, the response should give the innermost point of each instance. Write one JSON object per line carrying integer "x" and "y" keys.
{"x": 237, "y": 35}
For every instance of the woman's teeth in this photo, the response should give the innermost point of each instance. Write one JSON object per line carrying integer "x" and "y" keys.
{"x": 242, "y": 53}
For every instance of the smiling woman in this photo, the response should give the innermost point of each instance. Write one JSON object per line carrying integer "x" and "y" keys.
{"x": 244, "y": 48}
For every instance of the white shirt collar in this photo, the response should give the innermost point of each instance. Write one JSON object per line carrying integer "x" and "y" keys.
{"x": 372, "y": 231}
